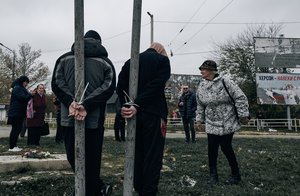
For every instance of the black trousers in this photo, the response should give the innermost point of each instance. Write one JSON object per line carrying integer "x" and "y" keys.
{"x": 34, "y": 136}
{"x": 24, "y": 128}
{"x": 119, "y": 127}
{"x": 16, "y": 128}
{"x": 225, "y": 141}
{"x": 149, "y": 147}
{"x": 59, "y": 136}
{"x": 189, "y": 130}
{"x": 93, "y": 152}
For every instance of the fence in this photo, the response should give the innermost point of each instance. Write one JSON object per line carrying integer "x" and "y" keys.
{"x": 259, "y": 124}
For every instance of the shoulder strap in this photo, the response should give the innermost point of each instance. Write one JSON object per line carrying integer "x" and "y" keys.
{"x": 226, "y": 89}
{"x": 232, "y": 100}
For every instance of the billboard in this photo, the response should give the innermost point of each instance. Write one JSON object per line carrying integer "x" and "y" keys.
{"x": 278, "y": 89}
{"x": 277, "y": 52}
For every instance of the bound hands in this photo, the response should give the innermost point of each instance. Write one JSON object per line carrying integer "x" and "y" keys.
{"x": 128, "y": 112}
{"x": 77, "y": 111}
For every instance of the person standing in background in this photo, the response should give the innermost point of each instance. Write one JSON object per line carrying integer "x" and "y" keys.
{"x": 59, "y": 136}
{"x": 187, "y": 107}
{"x": 17, "y": 110}
{"x": 119, "y": 125}
{"x": 151, "y": 115}
{"x": 216, "y": 109}
{"x": 35, "y": 122}
{"x": 24, "y": 128}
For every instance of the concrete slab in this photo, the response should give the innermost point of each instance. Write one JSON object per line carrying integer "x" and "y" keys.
{"x": 13, "y": 163}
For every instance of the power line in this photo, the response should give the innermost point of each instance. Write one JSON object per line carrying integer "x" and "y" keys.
{"x": 229, "y": 23}
{"x": 205, "y": 24}
{"x": 190, "y": 53}
{"x": 183, "y": 22}
{"x": 105, "y": 39}
{"x": 123, "y": 33}
{"x": 186, "y": 23}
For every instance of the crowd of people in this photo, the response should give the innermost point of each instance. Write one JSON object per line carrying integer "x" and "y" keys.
{"x": 27, "y": 113}
{"x": 218, "y": 107}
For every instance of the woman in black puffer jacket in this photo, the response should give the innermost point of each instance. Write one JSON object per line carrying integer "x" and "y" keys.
{"x": 17, "y": 110}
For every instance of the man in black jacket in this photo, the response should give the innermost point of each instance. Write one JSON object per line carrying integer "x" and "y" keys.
{"x": 151, "y": 115}
{"x": 100, "y": 74}
{"x": 187, "y": 107}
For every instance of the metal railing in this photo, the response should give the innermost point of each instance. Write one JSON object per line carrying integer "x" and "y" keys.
{"x": 259, "y": 124}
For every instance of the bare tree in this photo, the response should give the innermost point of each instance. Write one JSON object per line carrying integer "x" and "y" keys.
{"x": 5, "y": 81}
{"x": 25, "y": 63}
{"x": 236, "y": 55}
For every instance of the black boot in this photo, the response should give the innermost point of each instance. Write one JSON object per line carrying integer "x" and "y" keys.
{"x": 213, "y": 176}
{"x": 233, "y": 179}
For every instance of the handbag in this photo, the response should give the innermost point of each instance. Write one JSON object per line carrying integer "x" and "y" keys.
{"x": 29, "y": 110}
{"x": 45, "y": 129}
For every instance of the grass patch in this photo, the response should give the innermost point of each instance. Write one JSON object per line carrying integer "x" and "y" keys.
{"x": 268, "y": 167}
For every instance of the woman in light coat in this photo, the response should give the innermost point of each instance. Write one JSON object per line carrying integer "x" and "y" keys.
{"x": 222, "y": 106}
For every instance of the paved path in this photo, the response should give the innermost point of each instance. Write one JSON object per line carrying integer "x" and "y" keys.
{"x": 5, "y": 130}
{"x": 11, "y": 163}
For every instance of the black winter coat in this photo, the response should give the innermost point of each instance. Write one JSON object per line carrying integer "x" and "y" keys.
{"x": 154, "y": 72}
{"x": 18, "y": 102}
{"x": 188, "y": 110}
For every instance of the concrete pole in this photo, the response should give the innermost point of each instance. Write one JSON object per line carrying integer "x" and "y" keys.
{"x": 133, "y": 84}
{"x": 151, "y": 29}
{"x": 288, "y": 113}
{"x": 79, "y": 78}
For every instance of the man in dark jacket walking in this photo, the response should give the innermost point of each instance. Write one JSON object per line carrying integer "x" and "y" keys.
{"x": 187, "y": 107}
{"x": 151, "y": 115}
{"x": 100, "y": 74}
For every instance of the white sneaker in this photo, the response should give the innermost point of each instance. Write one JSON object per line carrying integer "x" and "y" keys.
{"x": 15, "y": 149}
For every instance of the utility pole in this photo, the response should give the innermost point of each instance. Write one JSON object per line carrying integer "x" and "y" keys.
{"x": 284, "y": 70}
{"x": 79, "y": 87}
{"x": 13, "y": 63}
{"x": 133, "y": 84}
{"x": 151, "y": 29}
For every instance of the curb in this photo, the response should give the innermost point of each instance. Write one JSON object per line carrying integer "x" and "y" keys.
{"x": 13, "y": 163}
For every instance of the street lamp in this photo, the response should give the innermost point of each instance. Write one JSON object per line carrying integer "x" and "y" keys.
{"x": 14, "y": 61}
{"x": 151, "y": 30}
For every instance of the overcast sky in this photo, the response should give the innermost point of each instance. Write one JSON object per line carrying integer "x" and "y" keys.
{"x": 48, "y": 25}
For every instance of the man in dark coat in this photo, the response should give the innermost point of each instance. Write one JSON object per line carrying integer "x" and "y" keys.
{"x": 187, "y": 107}
{"x": 151, "y": 115}
{"x": 100, "y": 74}
{"x": 17, "y": 110}
{"x": 119, "y": 125}
{"x": 59, "y": 136}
